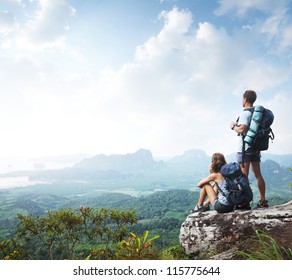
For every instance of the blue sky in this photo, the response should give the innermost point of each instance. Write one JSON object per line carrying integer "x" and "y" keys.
{"x": 113, "y": 76}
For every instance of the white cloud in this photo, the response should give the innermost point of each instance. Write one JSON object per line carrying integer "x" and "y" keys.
{"x": 48, "y": 25}
{"x": 19, "y": 2}
{"x": 286, "y": 39}
{"x": 7, "y": 22}
{"x": 172, "y": 36}
{"x": 260, "y": 75}
{"x": 241, "y": 8}
{"x": 181, "y": 90}
{"x": 272, "y": 24}
{"x": 169, "y": 86}
{"x": 271, "y": 28}
{"x": 281, "y": 104}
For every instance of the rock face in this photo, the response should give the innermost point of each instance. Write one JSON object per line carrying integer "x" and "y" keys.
{"x": 229, "y": 232}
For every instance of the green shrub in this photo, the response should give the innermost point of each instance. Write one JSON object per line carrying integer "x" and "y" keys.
{"x": 266, "y": 248}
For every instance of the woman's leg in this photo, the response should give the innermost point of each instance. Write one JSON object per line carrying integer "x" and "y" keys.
{"x": 206, "y": 190}
{"x": 210, "y": 192}
{"x": 203, "y": 195}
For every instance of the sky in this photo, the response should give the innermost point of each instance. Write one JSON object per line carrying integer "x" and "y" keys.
{"x": 114, "y": 76}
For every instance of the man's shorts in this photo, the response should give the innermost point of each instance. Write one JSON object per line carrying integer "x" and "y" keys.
{"x": 250, "y": 156}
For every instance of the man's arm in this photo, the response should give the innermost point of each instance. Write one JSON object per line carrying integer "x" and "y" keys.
{"x": 241, "y": 125}
{"x": 240, "y": 129}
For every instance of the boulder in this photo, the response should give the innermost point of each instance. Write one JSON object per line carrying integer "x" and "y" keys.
{"x": 225, "y": 234}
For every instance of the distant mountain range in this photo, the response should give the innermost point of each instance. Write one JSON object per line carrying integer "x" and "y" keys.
{"x": 282, "y": 160}
{"x": 142, "y": 160}
{"x": 183, "y": 169}
{"x": 129, "y": 163}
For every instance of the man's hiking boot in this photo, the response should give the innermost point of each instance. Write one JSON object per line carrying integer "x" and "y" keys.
{"x": 244, "y": 206}
{"x": 262, "y": 204}
{"x": 202, "y": 208}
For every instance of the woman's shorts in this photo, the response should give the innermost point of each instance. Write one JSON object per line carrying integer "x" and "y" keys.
{"x": 221, "y": 208}
{"x": 249, "y": 156}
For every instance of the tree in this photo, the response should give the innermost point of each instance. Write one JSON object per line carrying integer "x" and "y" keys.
{"x": 11, "y": 250}
{"x": 61, "y": 234}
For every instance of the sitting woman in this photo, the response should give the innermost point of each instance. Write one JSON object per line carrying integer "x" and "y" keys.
{"x": 217, "y": 199}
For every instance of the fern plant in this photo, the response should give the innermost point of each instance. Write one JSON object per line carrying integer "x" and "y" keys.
{"x": 137, "y": 248}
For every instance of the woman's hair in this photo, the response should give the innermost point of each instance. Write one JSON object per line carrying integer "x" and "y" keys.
{"x": 218, "y": 160}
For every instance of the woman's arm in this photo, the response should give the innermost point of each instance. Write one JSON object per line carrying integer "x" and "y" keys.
{"x": 207, "y": 180}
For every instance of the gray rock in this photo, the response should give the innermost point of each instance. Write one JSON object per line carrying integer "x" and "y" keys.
{"x": 226, "y": 233}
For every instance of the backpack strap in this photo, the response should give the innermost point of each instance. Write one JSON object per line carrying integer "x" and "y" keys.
{"x": 219, "y": 189}
{"x": 252, "y": 111}
{"x": 243, "y": 135}
{"x": 242, "y": 151}
{"x": 272, "y": 136}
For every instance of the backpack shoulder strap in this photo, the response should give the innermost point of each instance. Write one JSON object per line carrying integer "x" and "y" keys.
{"x": 219, "y": 189}
{"x": 249, "y": 109}
{"x": 243, "y": 135}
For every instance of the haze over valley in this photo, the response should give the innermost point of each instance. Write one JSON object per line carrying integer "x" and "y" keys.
{"x": 132, "y": 173}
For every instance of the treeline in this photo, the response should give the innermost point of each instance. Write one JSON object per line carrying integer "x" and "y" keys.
{"x": 161, "y": 213}
{"x": 84, "y": 233}
{"x": 68, "y": 234}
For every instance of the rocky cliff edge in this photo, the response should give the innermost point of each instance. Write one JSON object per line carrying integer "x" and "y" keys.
{"x": 225, "y": 234}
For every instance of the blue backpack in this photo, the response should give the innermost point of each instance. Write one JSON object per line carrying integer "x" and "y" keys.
{"x": 259, "y": 132}
{"x": 238, "y": 189}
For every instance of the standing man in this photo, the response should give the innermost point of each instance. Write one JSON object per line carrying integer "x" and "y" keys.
{"x": 251, "y": 157}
